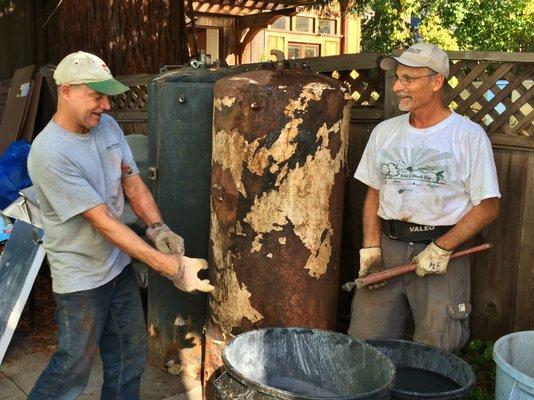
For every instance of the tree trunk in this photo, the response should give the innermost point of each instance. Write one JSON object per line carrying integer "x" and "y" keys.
{"x": 131, "y": 36}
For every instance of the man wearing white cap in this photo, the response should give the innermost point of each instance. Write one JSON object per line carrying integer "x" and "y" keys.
{"x": 432, "y": 186}
{"x": 82, "y": 168}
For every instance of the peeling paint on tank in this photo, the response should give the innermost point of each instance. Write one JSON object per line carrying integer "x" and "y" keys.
{"x": 230, "y": 301}
{"x": 239, "y": 78}
{"x": 281, "y": 175}
{"x": 305, "y": 188}
{"x": 312, "y": 91}
{"x": 225, "y": 101}
{"x": 233, "y": 145}
{"x": 192, "y": 338}
{"x": 256, "y": 244}
{"x": 281, "y": 150}
{"x": 152, "y": 331}
{"x": 269, "y": 255}
{"x": 239, "y": 229}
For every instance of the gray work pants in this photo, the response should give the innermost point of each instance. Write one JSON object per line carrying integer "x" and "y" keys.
{"x": 439, "y": 303}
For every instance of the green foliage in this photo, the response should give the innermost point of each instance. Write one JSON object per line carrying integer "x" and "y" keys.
{"x": 503, "y": 25}
{"x": 388, "y": 27}
{"x": 489, "y": 25}
{"x": 479, "y": 355}
{"x": 433, "y": 31}
{"x": 342, "y": 5}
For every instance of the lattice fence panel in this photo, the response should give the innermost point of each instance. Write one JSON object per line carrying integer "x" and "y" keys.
{"x": 134, "y": 99}
{"x": 497, "y": 95}
{"x": 130, "y": 109}
{"x": 366, "y": 86}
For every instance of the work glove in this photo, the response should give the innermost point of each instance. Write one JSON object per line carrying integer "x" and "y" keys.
{"x": 186, "y": 276}
{"x": 371, "y": 262}
{"x": 432, "y": 260}
{"x": 165, "y": 240}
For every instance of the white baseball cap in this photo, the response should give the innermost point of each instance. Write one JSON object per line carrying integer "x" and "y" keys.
{"x": 420, "y": 55}
{"x": 86, "y": 68}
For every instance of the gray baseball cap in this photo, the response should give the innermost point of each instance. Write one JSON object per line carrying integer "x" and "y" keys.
{"x": 420, "y": 55}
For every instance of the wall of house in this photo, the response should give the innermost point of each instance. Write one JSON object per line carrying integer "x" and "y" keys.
{"x": 297, "y": 44}
{"x": 227, "y": 40}
{"x": 354, "y": 34}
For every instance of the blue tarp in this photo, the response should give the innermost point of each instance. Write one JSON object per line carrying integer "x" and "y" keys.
{"x": 13, "y": 172}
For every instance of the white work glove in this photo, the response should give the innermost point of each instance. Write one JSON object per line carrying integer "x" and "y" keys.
{"x": 186, "y": 278}
{"x": 371, "y": 262}
{"x": 165, "y": 240}
{"x": 432, "y": 260}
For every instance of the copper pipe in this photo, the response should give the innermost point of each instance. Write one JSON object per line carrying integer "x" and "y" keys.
{"x": 403, "y": 269}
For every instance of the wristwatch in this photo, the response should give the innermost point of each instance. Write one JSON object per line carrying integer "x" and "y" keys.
{"x": 156, "y": 225}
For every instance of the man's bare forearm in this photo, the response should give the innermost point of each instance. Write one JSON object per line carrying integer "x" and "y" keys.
{"x": 141, "y": 200}
{"x": 127, "y": 240}
{"x": 372, "y": 229}
{"x": 472, "y": 223}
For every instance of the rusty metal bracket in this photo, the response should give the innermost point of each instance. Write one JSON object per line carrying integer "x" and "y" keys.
{"x": 152, "y": 174}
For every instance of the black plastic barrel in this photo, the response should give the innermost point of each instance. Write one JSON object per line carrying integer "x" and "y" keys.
{"x": 296, "y": 363}
{"x": 426, "y": 372}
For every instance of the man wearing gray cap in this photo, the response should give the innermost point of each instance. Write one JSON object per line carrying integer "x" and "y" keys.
{"x": 82, "y": 169}
{"x": 432, "y": 186}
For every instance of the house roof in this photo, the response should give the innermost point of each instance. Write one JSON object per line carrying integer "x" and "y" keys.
{"x": 244, "y": 7}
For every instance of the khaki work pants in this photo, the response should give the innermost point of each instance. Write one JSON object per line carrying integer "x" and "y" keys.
{"x": 439, "y": 304}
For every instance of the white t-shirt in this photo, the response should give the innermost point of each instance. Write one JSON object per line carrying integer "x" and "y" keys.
{"x": 430, "y": 176}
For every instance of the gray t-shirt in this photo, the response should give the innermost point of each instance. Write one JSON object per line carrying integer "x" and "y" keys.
{"x": 72, "y": 174}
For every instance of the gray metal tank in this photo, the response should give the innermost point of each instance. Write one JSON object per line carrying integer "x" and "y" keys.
{"x": 180, "y": 123}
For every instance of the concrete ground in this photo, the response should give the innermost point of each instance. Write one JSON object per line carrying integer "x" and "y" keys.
{"x": 34, "y": 342}
{"x": 26, "y": 358}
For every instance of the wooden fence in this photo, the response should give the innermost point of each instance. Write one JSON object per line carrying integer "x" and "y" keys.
{"x": 493, "y": 89}
{"x": 4, "y": 92}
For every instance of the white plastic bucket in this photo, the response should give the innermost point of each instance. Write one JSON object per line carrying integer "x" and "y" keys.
{"x": 514, "y": 356}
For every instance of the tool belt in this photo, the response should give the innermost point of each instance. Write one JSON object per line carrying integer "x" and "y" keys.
{"x": 409, "y": 232}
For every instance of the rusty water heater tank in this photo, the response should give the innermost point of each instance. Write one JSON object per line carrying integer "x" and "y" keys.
{"x": 278, "y": 171}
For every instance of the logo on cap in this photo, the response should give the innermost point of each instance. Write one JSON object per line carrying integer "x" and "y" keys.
{"x": 414, "y": 50}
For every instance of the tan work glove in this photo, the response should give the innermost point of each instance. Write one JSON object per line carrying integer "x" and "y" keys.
{"x": 371, "y": 262}
{"x": 432, "y": 260}
{"x": 165, "y": 240}
{"x": 186, "y": 278}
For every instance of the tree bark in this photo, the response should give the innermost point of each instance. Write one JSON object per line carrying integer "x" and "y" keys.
{"x": 131, "y": 36}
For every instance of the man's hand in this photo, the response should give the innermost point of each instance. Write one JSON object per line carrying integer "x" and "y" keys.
{"x": 185, "y": 278}
{"x": 371, "y": 262}
{"x": 165, "y": 240}
{"x": 432, "y": 260}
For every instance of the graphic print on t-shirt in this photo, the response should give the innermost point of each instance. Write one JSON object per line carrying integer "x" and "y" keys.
{"x": 412, "y": 179}
{"x": 415, "y": 165}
